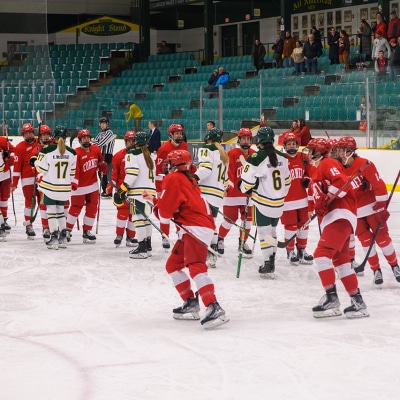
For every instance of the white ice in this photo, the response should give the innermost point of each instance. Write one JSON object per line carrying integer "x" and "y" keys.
{"x": 89, "y": 323}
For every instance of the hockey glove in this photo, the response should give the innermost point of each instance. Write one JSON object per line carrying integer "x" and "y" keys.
{"x": 32, "y": 160}
{"x": 120, "y": 195}
{"x": 305, "y": 182}
{"x": 74, "y": 186}
{"x": 382, "y": 214}
{"x": 9, "y": 163}
{"x": 39, "y": 178}
{"x": 321, "y": 205}
{"x": 103, "y": 167}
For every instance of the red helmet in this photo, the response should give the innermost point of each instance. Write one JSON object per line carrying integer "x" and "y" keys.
{"x": 129, "y": 135}
{"x": 333, "y": 142}
{"x": 318, "y": 147}
{"x": 288, "y": 136}
{"x": 175, "y": 128}
{"x": 348, "y": 143}
{"x": 84, "y": 133}
{"x": 43, "y": 130}
{"x": 27, "y": 128}
{"x": 245, "y": 132}
{"x": 180, "y": 160}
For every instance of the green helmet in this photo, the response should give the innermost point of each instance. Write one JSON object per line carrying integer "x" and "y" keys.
{"x": 265, "y": 135}
{"x": 141, "y": 138}
{"x": 215, "y": 135}
{"x": 60, "y": 131}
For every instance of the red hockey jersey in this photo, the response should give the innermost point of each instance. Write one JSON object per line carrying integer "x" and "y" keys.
{"x": 86, "y": 169}
{"x": 22, "y": 168}
{"x": 234, "y": 196}
{"x": 369, "y": 186}
{"x": 162, "y": 154}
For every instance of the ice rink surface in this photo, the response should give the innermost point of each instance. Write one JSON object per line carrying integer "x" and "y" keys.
{"x": 89, "y": 323}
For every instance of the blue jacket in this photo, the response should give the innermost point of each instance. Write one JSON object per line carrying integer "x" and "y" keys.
{"x": 223, "y": 79}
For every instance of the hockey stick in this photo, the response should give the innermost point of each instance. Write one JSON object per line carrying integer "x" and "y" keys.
{"x": 239, "y": 226}
{"x": 274, "y": 242}
{"x": 362, "y": 265}
{"x": 240, "y": 255}
{"x": 255, "y": 239}
{"x": 98, "y": 207}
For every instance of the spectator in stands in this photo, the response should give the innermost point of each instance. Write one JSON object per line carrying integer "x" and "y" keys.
{"x": 381, "y": 64}
{"x": 155, "y": 137}
{"x": 317, "y": 35}
{"x": 293, "y": 129}
{"x": 364, "y": 34}
{"x": 223, "y": 79}
{"x": 164, "y": 48}
{"x": 394, "y": 58}
{"x": 258, "y": 54}
{"x": 379, "y": 27}
{"x": 333, "y": 42}
{"x": 380, "y": 44}
{"x": 289, "y": 45}
{"x": 212, "y": 80}
{"x": 312, "y": 50}
{"x": 136, "y": 114}
{"x": 393, "y": 26}
{"x": 278, "y": 50}
{"x": 344, "y": 49}
{"x": 303, "y": 134}
{"x": 298, "y": 58}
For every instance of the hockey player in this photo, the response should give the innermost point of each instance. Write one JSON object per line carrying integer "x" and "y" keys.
{"x": 372, "y": 214}
{"x": 182, "y": 200}
{"x": 105, "y": 139}
{"x": 266, "y": 175}
{"x": 234, "y": 199}
{"x": 26, "y": 172}
{"x": 175, "y": 135}
{"x": 85, "y": 186}
{"x": 139, "y": 169}
{"x": 335, "y": 205}
{"x": 6, "y": 162}
{"x": 213, "y": 178}
{"x": 295, "y": 210}
{"x": 56, "y": 169}
{"x": 124, "y": 218}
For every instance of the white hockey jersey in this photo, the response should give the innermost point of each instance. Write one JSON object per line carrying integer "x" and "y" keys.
{"x": 58, "y": 171}
{"x": 273, "y": 182}
{"x": 213, "y": 175}
{"x": 138, "y": 176}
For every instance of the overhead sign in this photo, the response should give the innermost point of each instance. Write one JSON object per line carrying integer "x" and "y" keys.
{"x": 105, "y": 26}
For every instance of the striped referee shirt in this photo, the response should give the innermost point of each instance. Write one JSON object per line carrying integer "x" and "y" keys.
{"x": 105, "y": 141}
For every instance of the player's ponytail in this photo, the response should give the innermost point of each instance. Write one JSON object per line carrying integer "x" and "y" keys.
{"x": 61, "y": 145}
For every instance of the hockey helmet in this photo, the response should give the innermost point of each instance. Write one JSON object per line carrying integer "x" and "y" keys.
{"x": 215, "y": 135}
{"x": 245, "y": 132}
{"x": 104, "y": 120}
{"x": 265, "y": 135}
{"x": 141, "y": 138}
{"x": 27, "y": 128}
{"x": 319, "y": 147}
{"x": 129, "y": 135}
{"x": 348, "y": 143}
{"x": 84, "y": 133}
{"x": 60, "y": 131}
{"x": 44, "y": 130}
{"x": 179, "y": 160}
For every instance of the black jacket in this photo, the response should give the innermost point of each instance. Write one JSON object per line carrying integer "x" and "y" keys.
{"x": 312, "y": 50}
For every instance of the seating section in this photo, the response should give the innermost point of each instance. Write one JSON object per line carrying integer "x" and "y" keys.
{"x": 168, "y": 87}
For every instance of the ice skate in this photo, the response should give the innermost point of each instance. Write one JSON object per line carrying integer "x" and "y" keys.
{"x": 189, "y": 310}
{"x": 396, "y": 272}
{"x": 88, "y": 237}
{"x": 6, "y": 226}
{"x": 329, "y": 305}
{"x": 247, "y": 253}
{"x": 68, "y": 234}
{"x": 357, "y": 269}
{"x": 30, "y": 232}
{"x": 62, "y": 240}
{"x": 292, "y": 257}
{"x": 378, "y": 278}
{"x": 52, "y": 244}
{"x": 3, "y": 233}
{"x": 131, "y": 242}
{"x": 220, "y": 245}
{"x": 140, "y": 251}
{"x": 148, "y": 246}
{"x": 46, "y": 234}
{"x": 118, "y": 240}
{"x": 212, "y": 258}
{"x": 358, "y": 308}
{"x": 215, "y": 316}
{"x": 267, "y": 271}
{"x": 165, "y": 244}
{"x": 304, "y": 257}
